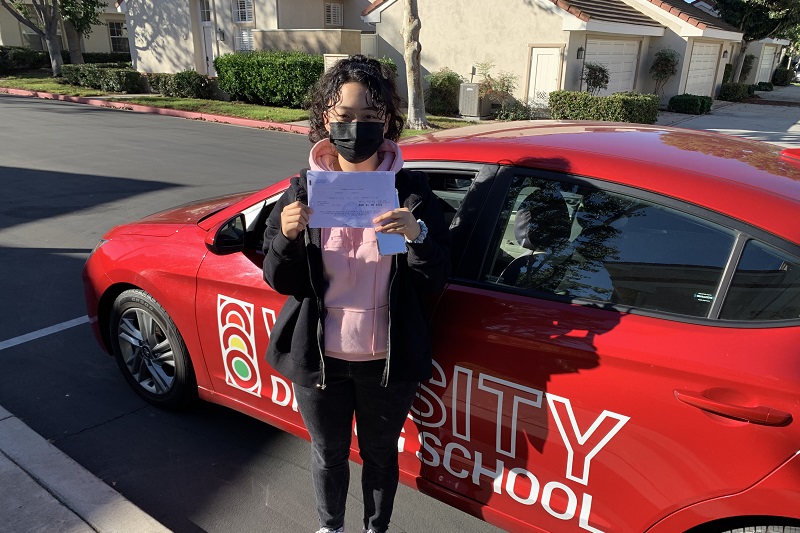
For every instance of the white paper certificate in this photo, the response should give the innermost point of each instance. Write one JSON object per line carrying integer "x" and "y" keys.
{"x": 349, "y": 199}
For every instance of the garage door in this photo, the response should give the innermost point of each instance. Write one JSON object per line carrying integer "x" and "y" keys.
{"x": 765, "y": 67}
{"x": 621, "y": 58}
{"x": 702, "y": 69}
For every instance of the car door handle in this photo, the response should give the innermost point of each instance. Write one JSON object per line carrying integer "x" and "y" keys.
{"x": 757, "y": 415}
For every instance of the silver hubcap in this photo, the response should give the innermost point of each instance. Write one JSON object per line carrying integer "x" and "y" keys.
{"x": 146, "y": 351}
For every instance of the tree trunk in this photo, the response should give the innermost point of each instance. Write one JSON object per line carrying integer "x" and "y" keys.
{"x": 54, "y": 49}
{"x": 74, "y": 43}
{"x": 416, "y": 102}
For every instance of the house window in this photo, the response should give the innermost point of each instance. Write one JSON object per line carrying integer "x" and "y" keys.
{"x": 244, "y": 40}
{"x": 205, "y": 11}
{"x": 31, "y": 39}
{"x": 118, "y": 32}
{"x": 333, "y": 14}
{"x": 243, "y": 10}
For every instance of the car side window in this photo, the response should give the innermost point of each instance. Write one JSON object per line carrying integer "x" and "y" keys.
{"x": 450, "y": 188}
{"x": 765, "y": 286}
{"x": 580, "y": 242}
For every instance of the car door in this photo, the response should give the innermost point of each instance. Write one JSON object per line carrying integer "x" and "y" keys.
{"x": 585, "y": 376}
{"x": 236, "y": 311}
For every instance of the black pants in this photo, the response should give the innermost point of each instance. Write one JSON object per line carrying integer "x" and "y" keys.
{"x": 380, "y": 412}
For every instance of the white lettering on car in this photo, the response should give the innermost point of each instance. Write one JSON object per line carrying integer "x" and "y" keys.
{"x": 514, "y": 403}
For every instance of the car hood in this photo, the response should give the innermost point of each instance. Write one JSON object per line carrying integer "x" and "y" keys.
{"x": 194, "y": 212}
{"x": 167, "y": 222}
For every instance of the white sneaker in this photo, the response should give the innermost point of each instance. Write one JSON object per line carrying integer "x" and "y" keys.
{"x": 330, "y": 530}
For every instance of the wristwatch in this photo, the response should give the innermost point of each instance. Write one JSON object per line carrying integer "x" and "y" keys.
{"x": 423, "y": 232}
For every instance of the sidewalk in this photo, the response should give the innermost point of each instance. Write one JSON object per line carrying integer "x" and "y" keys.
{"x": 45, "y": 491}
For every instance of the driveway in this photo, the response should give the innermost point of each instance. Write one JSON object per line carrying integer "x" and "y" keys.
{"x": 775, "y": 119}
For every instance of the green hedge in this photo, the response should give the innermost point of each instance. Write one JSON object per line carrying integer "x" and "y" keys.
{"x": 734, "y": 92}
{"x": 274, "y": 78}
{"x": 690, "y": 104}
{"x": 619, "y": 107}
{"x": 186, "y": 84}
{"x": 20, "y": 58}
{"x": 764, "y": 86}
{"x": 782, "y": 77}
{"x": 105, "y": 76}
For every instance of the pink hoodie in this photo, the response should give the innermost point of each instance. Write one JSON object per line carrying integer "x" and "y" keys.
{"x": 357, "y": 298}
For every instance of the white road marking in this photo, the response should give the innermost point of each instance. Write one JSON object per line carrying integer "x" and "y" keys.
{"x": 43, "y": 332}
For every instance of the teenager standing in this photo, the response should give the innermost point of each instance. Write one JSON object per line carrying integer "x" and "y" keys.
{"x": 353, "y": 336}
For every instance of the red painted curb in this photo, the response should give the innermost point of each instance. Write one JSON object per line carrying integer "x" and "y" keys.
{"x": 246, "y": 122}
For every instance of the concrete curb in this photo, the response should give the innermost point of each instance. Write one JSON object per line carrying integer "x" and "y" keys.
{"x": 74, "y": 487}
{"x": 99, "y": 102}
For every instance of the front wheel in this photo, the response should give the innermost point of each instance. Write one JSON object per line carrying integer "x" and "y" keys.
{"x": 150, "y": 351}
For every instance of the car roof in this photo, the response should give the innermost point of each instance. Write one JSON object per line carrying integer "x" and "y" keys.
{"x": 744, "y": 179}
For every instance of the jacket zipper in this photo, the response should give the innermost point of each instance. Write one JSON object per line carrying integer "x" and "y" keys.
{"x": 385, "y": 377}
{"x": 307, "y": 240}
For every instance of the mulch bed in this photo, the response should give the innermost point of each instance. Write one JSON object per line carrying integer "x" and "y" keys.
{"x": 762, "y": 101}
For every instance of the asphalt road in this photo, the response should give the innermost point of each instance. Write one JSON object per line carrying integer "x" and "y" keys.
{"x": 69, "y": 173}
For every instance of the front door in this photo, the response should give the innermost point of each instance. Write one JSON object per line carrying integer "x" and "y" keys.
{"x": 543, "y": 74}
{"x": 208, "y": 49}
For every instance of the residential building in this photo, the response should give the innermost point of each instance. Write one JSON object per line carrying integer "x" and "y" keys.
{"x": 176, "y": 36}
{"x": 111, "y": 35}
{"x": 545, "y": 43}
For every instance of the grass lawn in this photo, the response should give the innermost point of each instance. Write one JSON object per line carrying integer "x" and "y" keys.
{"x": 219, "y": 107}
{"x": 44, "y": 82}
{"x": 41, "y": 80}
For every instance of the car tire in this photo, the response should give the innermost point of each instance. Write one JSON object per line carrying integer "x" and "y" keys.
{"x": 150, "y": 351}
{"x": 764, "y": 529}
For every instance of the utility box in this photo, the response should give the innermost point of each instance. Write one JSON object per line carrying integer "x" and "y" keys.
{"x": 470, "y": 104}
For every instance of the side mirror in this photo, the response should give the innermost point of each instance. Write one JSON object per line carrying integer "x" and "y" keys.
{"x": 227, "y": 237}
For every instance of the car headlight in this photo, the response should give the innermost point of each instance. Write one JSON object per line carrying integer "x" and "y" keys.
{"x": 97, "y": 247}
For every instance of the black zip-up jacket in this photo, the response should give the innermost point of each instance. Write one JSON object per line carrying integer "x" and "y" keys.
{"x": 295, "y": 268}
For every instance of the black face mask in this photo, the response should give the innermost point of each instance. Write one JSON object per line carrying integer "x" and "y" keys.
{"x": 356, "y": 141}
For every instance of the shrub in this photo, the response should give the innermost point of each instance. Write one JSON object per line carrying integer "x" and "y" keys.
{"x": 516, "y": 111}
{"x": 20, "y": 58}
{"x": 274, "y": 78}
{"x": 690, "y": 104}
{"x": 191, "y": 84}
{"x": 734, "y": 92}
{"x": 764, "y": 86}
{"x": 726, "y": 76}
{"x": 782, "y": 77}
{"x": 747, "y": 66}
{"x": 618, "y": 107}
{"x": 665, "y": 65}
{"x": 751, "y": 89}
{"x": 389, "y": 63}
{"x": 441, "y": 97}
{"x": 595, "y": 76}
{"x": 105, "y": 76}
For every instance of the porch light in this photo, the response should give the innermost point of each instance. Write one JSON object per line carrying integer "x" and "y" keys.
{"x": 580, "y": 52}
{"x": 725, "y": 54}
{"x": 220, "y": 35}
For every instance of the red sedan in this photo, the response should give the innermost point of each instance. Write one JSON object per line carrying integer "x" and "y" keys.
{"x": 617, "y": 350}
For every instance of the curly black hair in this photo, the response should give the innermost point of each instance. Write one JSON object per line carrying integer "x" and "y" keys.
{"x": 372, "y": 74}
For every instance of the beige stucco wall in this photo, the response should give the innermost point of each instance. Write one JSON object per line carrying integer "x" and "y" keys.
{"x": 99, "y": 40}
{"x": 475, "y": 33}
{"x": 163, "y": 37}
{"x": 310, "y": 41}
{"x": 10, "y": 34}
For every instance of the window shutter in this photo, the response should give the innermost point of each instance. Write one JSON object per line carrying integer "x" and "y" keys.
{"x": 243, "y": 10}
{"x": 333, "y": 14}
